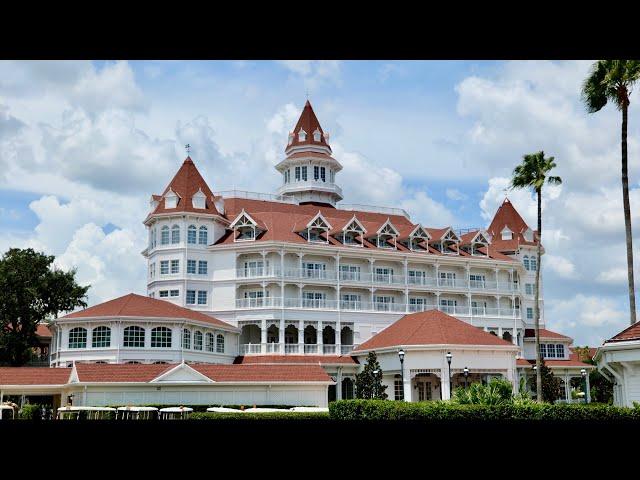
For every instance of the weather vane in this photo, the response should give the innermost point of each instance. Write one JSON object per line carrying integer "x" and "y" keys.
{"x": 188, "y": 148}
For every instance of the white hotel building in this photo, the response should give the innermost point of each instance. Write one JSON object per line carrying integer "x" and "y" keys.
{"x": 298, "y": 277}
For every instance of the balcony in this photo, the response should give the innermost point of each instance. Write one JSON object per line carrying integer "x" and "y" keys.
{"x": 295, "y": 349}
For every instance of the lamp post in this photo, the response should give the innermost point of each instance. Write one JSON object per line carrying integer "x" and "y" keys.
{"x": 449, "y": 356}
{"x": 535, "y": 368}
{"x": 583, "y": 372}
{"x": 401, "y": 357}
{"x": 466, "y": 374}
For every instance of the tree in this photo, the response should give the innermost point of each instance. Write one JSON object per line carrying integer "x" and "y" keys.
{"x": 533, "y": 173}
{"x": 32, "y": 290}
{"x": 369, "y": 381}
{"x": 550, "y": 384}
{"x": 612, "y": 81}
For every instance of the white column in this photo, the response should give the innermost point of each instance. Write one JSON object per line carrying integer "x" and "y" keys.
{"x": 339, "y": 384}
{"x": 263, "y": 336}
{"x": 567, "y": 387}
{"x": 300, "y": 336}
{"x": 406, "y": 386}
{"x": 319, "y": 339}
{"x": 588, "y": 392}
{"x": 281, "y": 335}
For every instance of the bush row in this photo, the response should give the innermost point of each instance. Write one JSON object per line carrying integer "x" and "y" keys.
{"x": 381, "y": 410}
{"x": 315, "y": 416}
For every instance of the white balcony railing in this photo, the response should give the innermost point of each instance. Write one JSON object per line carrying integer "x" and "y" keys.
{"x": 295, "y": 349}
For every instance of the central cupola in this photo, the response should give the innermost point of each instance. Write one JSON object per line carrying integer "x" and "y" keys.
{"x": 308, "y": 170}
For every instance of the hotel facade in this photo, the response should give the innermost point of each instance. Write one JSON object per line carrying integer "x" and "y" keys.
{"x": 297, "y": 277}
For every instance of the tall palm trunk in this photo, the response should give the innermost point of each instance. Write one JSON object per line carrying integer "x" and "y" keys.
{"x": 627, "y": 217}
{"x": 537, "y": 299}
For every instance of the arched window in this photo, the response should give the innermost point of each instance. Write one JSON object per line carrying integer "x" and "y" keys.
{"x": 133, "y": 337}
{"x": 186, "y": 338}
{"x": 197, "y": 340}
{"x": 526, "y": 262}
{"x": 534, "y": 264}
{"x": 191, "y": 234}
{"x": 78, "y": 337}
{"x": 175, "y": 234}
{"x": 161, "y": 337}
{"x": 164, "y": 235}
{"x": 211, "y": 347}
{"x": 101, "y": 337}
{"x": 220, "y": 343}
{"x": 398, "y": 388}
{"x": 202, "y": 237}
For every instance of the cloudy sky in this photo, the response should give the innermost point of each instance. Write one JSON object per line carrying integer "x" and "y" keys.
{"x": 84, "y": 144}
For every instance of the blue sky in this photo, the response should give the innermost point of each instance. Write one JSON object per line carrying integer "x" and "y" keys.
{"x": 84, "y": 144}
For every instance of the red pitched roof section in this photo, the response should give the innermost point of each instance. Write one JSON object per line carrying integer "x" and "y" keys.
{"x": 630, "y": 333}
{"x": 186, "y": 183}
{"x": 544, "y": 333}
{"x": 141, "y": 373}
{"x": 34, "y": 376}
{"x": 508, "y": 216}
{"x": 43, "y": 331}
{"x": 432, "y": 327}
{"x": 133, "y": 305}
{"x": 309, "y": 123}
{"x": 572, "y": 361}
{"x": 296, "y": 359}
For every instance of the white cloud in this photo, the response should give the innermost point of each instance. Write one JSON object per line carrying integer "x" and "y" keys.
{"x": 456, "y": 195}
{"x": 560, "y": 265}
{"x": 315, "y": 73}
{"x": 615, "y": 276}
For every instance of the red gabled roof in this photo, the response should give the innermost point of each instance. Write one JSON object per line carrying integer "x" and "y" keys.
{"x": 630, "y": 333}
{"x": 43, "y": 331}
{"x": 508, "y": 216}
{"x": 432, "y": 327}
{"x": 309, "y": 123}
{"x": 143, "y": 373}
{"x": 34, "y": 376}
{"x": 133, "y": 305}
{"x": 296, "y": 359}
{"x": 544, "y": 333}
{"x": 572, "y": 361}
{"x": 186, "y": 183}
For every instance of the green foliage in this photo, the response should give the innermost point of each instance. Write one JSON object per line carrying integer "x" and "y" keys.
{"x": 497, "y": 392}
{"x": 610, "y": 80}
{"x": 442, "y": 412}
{"x": 32, "y": 290}
{"x": 533, "y": 172}
{"x": 30, "y": 412}
{"x": 601, "y": 389}
{"x": 269, "y": 416}
{"x": 550, "y": 384}
{"x": 369, "y": 384}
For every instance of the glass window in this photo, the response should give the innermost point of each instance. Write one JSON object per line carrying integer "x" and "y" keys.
{"x": 191, "y": 266}
{"x": 174, "y": 293}
{"x": 323, "y": 174}
{"x": 202, "y": 238}
{"x": 186, "y": 338}
{"x": 220, "y": 343}
{"x": 526, "y": 262}
{"x": 78, "y": 337}
{"x": 175, "y": 234}
{"x": 175, "y": 266}
{"x": 133, "y": 337}
{"x": 197, "y": 340}
{"x": 398, "y": 388}
{"x": 191, "y": 297}
{"x": 164, "y": 293}
{"x": 304, "y": 174}
{"x": 210, "y": 345}
{"x": 202, "y": 297}
{"x": 191, "y": 234}
{"x": 534, "y": 264}
{"x": 164, "y": 235}
{"x": 316, "y": 172}
{"x": 297, "y": 174}
{"x": 164, "y": 267}
{"x": 559, "y": 350}
{"x": 101, "y": 337}
{"x": 202, "y": 267}
{"x": 529, "y": 313}
{"x": 161, "y": 337}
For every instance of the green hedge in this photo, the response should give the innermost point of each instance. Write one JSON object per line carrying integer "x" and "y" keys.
{"x": 314, "y": 416}
{"x": 30, "y": 412}
{"x": 438, "y": 411}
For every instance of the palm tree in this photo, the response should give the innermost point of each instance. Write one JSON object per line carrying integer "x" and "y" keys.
{"x": 612, "y": 80}
{"x": 533, "y": 173}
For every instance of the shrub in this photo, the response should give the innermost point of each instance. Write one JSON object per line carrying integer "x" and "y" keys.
{"x": 443, "y": 411}
{"x": 295, "y": 416}
{"x": 497, "y": 392}
{"x": 30, "y": 412}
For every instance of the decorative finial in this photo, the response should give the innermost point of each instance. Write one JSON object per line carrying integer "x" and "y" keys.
{"x": 187, "y": 147}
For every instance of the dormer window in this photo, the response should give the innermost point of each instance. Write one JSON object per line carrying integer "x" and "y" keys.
{"x": 316, "y": 228}
{"x": 480, "y": 240}
{"x": 528, "y": 235}
{"x": 244, "y": 228}
{"x": 416, "y": 237}
{"x": 386, "y": 236}
{"x": 448, "y": 242}
{"x": 351, "y": 232}
{"x": 198, "y": 199}
{"x": 506, "y": 234}
{"x": 317, "y": 136}
{"x": 302, "y": 136}
{"x": 170, "y": 199}
{"x": 291, "y": 138}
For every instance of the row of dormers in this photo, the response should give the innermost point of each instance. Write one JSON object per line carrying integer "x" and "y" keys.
{"x": 353, "y": 233}
{"x": 302, "y": 136}
{"x": 198, "y": 200}
{"x": 507, "y": 234}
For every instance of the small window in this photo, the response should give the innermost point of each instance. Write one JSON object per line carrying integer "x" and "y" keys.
{"x": 304, "y": 174}
{"x": 101, "y": 337}
{"x": 534, "y": 264}
{"x": 174, "y": 293}
{"x": 526, "y": 263}
{"x": 191, "y": 266}
{"x": 559, "y": 350}
{"x": 175, "y": 266}
{"x": 191, "y": 235}
{"x": 164, "y": 235}
{"x": 398, "y": 388}
{"x": 323, "y": 174}
{"x": 302, "y": 135}
{"x": 202, "y": 267}
{"x": 78, "y": 337}
{"x": 507, "y": 234}
{"x": 133, "y": 337}
{"x": 317, "y": 136}
{"x": 203, "y": 234}
{"x": 191, "y": 297}
{"x": 164, "y": 293}
{"x": 175, "y": 234}
{"x": 202, "y": 297}
{"x": 164, "y": 267}
{"x": 197, "y": 340}
{"x": 316, "y": 173}
{"x": 210, "y": 344}
{"x": 529, "y": 313}
{"x": 161, "y": 337}
{"x": 220, "y": 343}
{"x": 186, "y": 338}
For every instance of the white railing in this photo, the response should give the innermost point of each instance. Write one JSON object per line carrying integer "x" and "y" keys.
{"x": 273, "y": 348}
{"x": 328, "y": 349}
{"x": 421, "y": 281}
{"x": 354, "y": 276}
{"x": 264, "y": 302}
{"x": 258, "y": 272}
{"x": 291, "y": 348}
{"x": 255, "y": 196}
{"x": 310, "y": 348}
{"x": 388, "y": 278}
{"x": 346, "y": 349}
{"x": 249, "y": 348}
{"x": 375, "y": 209}
{"x": 295, "y": 348}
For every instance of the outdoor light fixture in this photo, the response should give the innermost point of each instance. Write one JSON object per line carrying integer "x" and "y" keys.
{"x": 466, "y": 374}
{"x": 401, "y": 356}
{"x": 449, "y": 357}
{"x": 583, "y": 372}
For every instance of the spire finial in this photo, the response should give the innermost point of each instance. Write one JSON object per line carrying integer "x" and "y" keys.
{"x": 187, "y": 147}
